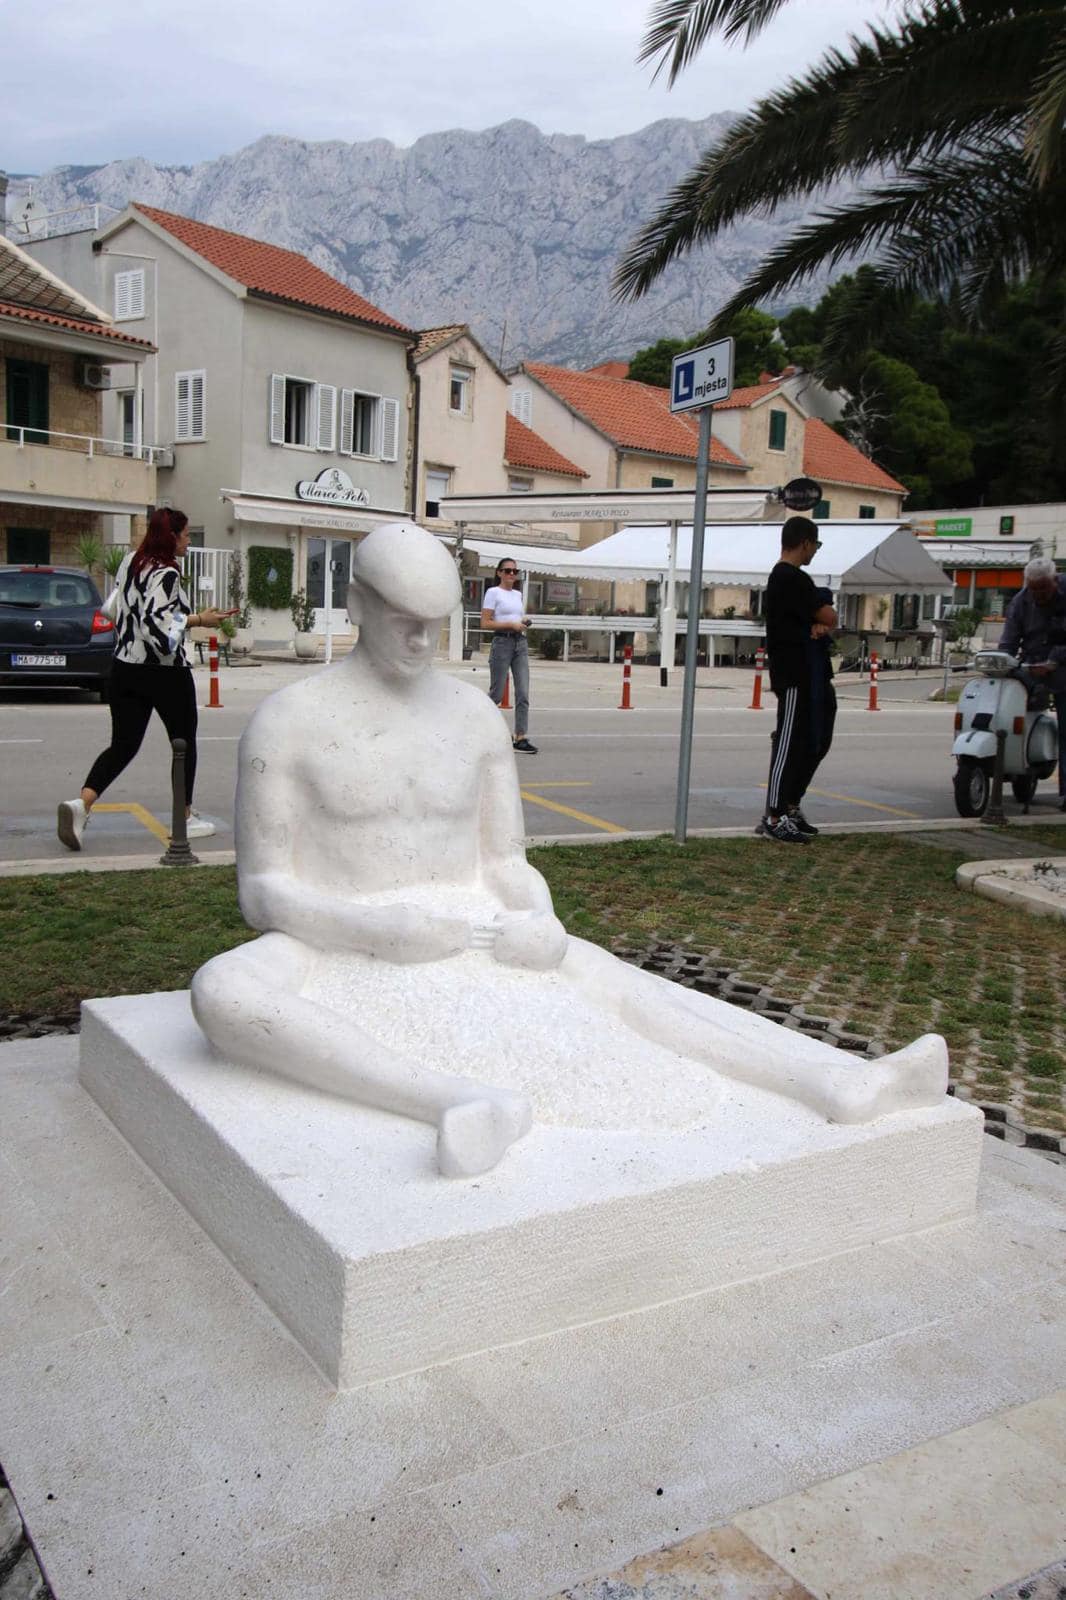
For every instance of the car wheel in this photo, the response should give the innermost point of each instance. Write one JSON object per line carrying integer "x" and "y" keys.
{"x": 972, "y": 785}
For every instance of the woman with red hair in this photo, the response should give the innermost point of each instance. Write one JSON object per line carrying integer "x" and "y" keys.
{"x": 151, "y": 670}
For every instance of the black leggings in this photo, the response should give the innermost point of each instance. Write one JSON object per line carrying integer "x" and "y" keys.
{"x": 135, "y": 693}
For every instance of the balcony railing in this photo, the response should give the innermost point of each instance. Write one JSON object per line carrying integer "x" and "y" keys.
{"x": 157, "y": 455}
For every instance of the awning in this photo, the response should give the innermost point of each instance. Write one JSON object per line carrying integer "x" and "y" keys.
{"x": 979, "y": 553}
{"x": 292, "y": 513}
{"x": 864, "y": 557}
{"x": 596, "y": 505}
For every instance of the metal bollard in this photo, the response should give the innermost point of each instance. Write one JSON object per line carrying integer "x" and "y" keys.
{"x": 627, "y": 668}
{"x": 178, "y": 853}
{"x": 214, "y": 703}
{"x": 756, "y": 693}
{"x": 994, "y": 813}
{"x": 872, "y": 705}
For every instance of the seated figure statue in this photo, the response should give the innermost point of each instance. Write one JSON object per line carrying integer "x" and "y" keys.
{"x": 410, "y": 958}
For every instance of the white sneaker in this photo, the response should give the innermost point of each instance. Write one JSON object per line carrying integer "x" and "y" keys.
{"x": 198, "y": 827}
{"x": 71, "y": 822}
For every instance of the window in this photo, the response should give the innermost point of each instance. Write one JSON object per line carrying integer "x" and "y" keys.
{"x": 370, "y": 425}
{"x": 438, "y": 484}
{"x": 29, "y": 547}
{"x": 517, "y": 485}
{"x": 867, "y": 511}
{"x": 778, "y": 429}
{"x": 293, "y": 417}
{"x": 459, "y": 391}
{"x": 129, "y": 295}
{"x": 522, "y": 406}
{"x": 821, "y": 510}
{"x": 27, "y": 401}
{"x": 662, "y": 483}
{"x": 127, "y": 419}
{"x": 190, "y": 394}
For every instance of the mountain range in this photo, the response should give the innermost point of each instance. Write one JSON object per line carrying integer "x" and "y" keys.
{"x": 511, "y": 230}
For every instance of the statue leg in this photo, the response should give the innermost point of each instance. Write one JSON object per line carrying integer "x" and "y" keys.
{"x": 248, "y": 1003}
{"x": 840, "y": 1086}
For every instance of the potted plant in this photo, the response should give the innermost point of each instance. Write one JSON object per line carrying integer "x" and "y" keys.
{"x": 114, "y": 556}
{"x": 243, "y": 637}
{"x": 303, "y": 620}
{"x": 90, "y": 552}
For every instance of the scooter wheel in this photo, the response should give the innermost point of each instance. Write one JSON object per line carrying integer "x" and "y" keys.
{"x": 1024, "y": 788}
{"x": 972, "y": 786}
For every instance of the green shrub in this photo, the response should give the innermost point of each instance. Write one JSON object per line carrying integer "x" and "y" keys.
{"x": 269, "y": 577}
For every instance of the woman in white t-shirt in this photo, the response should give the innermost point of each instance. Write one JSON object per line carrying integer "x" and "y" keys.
{"x": 503, "y": 614}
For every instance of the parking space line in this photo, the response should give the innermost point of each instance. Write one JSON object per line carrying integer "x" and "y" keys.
{"x": 564, "y": 783}
{"x": 872, "y": 805}
{"x": 566, "y": 811}
{"x": 145, "y": 818}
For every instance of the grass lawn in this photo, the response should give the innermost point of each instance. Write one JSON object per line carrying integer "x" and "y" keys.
{"x": 868, "y": 930}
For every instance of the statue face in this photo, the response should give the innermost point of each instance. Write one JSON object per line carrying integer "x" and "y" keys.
{"x": 400, "y": 645}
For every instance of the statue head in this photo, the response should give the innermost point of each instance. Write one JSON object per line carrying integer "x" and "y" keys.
{"x": 404, "y": 584}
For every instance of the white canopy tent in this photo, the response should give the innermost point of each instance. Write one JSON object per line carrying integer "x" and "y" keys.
{"x": 864, "y": 557}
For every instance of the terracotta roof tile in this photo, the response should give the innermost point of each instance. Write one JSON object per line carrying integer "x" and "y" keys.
{"x": 430, "y": 339}
{"x": 742, "y": 398}
{"x": 635, "y": 416}
{"x": 268, "y": 270}
{"x": 609, "y": 369}
{"x": 828, "y": 458}
{"x": 524, "y": 448}
{"x": 54, "y": 319}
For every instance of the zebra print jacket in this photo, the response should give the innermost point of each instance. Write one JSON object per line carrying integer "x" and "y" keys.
{"x": 150, "y": 616}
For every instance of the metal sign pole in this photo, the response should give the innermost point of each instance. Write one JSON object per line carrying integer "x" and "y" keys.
{"x": 692, "y": 637}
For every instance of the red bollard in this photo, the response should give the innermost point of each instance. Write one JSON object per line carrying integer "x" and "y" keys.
{"x": 873, "y": 705}
{"x": 213, "y": 702}
{"x": 627, "y": 668}
{"x": 505, "y": 703}
{"x": 756, "y": 693}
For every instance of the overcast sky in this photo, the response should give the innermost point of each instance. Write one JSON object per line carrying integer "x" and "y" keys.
{"x": 88, "y": 81}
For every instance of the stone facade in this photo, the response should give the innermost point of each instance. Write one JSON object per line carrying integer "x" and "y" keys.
{"x": 72, "y": 409}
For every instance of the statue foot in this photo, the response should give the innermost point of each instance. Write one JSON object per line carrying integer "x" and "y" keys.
{"x": 914, "y": 1076}
{"x": 474, "y": 1136}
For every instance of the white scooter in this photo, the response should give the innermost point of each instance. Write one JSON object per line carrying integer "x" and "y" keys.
{"x": 1000, "y": 699}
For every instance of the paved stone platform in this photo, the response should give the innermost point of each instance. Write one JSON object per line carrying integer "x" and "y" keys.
{"x": 165, "y": 1438}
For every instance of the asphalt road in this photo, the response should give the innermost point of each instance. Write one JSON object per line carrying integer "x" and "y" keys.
{"x": 600, "y": 770}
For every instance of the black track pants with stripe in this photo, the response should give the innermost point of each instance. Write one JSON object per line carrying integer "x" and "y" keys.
{"x": 793, "y": 756}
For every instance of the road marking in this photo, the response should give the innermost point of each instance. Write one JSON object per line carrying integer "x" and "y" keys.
{"x": 145, "y": 818}
{"x": 564, "y": 783}
{"x": 566, "y": 811}
{"x": 872, "y": 805}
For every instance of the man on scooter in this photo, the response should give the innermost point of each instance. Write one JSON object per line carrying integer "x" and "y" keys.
{"x": 1035, "y": 627}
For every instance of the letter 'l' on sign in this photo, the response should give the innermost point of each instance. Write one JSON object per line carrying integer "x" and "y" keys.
{"x": 702, "y": 377}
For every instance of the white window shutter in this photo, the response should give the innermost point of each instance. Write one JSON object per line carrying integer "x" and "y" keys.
{"x": 137, "y": 294}
{"x": 277, "y": 408}
{"x": 344, "y": 443}
{"x": 390, "y": 429}
{"x": 327, "y": 415}
{"x": 129, "y": 295}
{"x": 522, "y": 406}
{"x": 182, "y": 407}
{"x": 198, "y": 403}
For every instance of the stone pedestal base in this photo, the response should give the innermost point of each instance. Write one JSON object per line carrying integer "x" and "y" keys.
{"x": 338, "y": 1218}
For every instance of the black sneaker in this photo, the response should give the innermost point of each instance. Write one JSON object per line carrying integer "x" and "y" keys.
{"x": 524, "y": 747}
{"x": 785, "y": 831}
{"x": 761, "y": 826}
{"x": 802, "y": 824}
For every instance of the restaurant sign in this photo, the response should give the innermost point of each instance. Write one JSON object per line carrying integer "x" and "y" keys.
{"x": 332, "y": 487}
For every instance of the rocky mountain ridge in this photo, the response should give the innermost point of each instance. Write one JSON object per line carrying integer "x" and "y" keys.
{"x": 514, "y": 231}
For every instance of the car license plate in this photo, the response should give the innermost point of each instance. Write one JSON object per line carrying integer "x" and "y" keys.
{"x": 38, "y": 661}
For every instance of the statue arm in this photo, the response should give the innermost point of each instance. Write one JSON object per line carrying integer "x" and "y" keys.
{"x": 529, "y": 933}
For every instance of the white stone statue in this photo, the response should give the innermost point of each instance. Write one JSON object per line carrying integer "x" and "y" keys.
{"x": 410, "y": 958}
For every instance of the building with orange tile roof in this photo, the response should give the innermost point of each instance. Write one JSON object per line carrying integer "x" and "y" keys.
{"x": 285, "y": 397}
{"x": 63, "y": 475}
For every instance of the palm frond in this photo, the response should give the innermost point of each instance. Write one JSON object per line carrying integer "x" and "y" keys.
{"x": 892, "y": 98}
{"x": 1044, "y": 142}
{"x": 680, "y": 28}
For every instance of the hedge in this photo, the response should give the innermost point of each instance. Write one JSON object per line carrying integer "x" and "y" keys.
{"x": 269, "y": 576}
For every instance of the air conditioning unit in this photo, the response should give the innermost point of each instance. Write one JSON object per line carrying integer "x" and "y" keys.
{"x": 91, "y": 375}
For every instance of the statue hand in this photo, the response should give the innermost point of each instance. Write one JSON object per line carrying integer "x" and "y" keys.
{"x": 415, "y": 935}
{"x": 534, "y": 939}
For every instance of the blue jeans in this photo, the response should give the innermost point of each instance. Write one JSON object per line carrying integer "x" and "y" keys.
{"x": 510, "y": 654}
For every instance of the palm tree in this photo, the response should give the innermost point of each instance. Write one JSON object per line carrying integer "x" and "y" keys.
{"x": 948, "y": 121}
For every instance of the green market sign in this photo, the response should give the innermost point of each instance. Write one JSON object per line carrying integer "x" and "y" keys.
{"x": 952, "y": 527}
